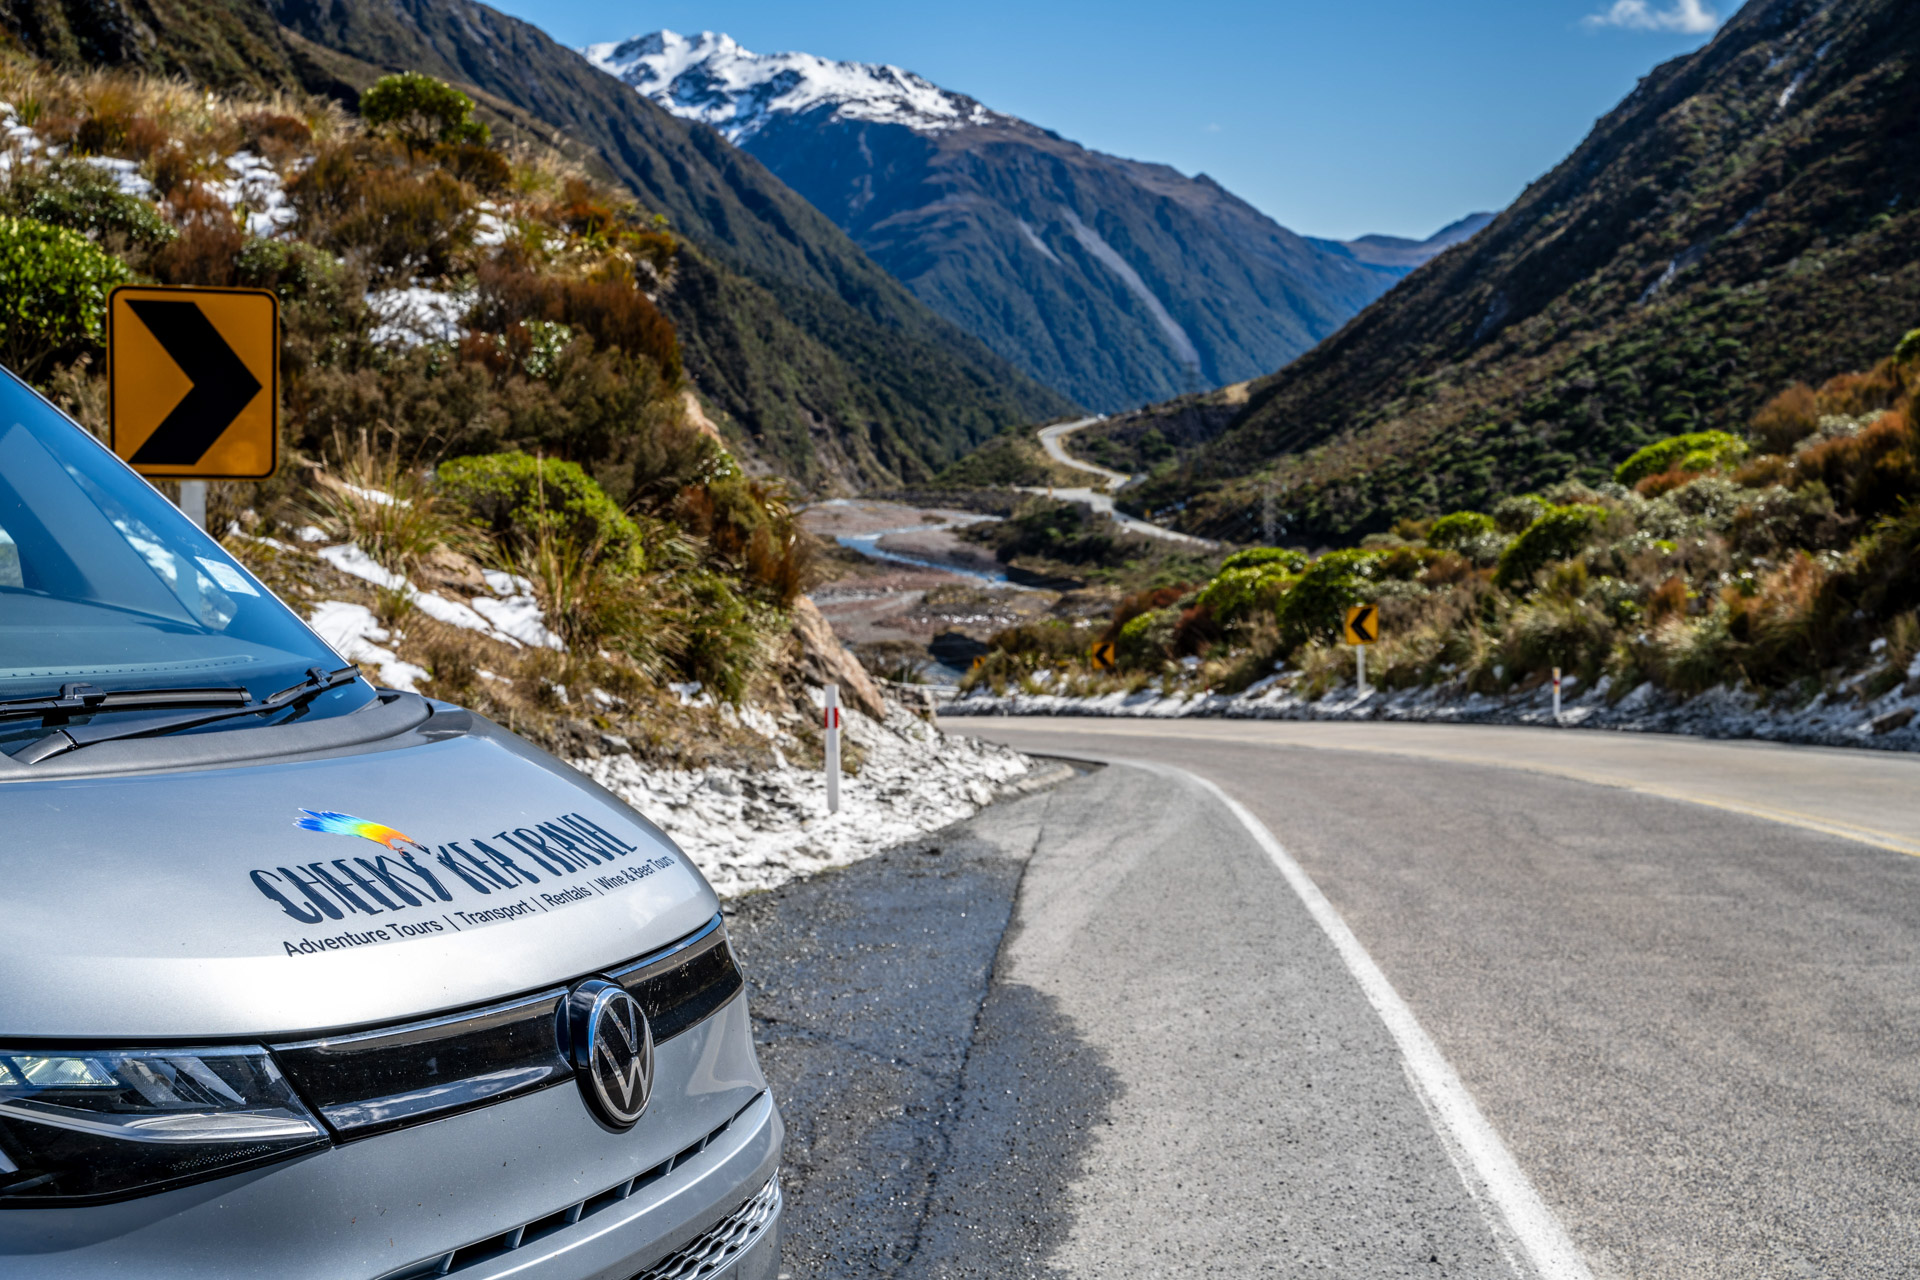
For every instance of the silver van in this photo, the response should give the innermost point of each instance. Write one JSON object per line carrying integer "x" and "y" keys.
{"x": 304, "y": 978}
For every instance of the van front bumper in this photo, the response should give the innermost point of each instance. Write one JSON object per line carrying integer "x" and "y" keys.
{"x": 531, "y": 1187}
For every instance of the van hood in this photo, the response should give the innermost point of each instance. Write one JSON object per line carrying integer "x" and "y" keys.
{"x": 312, "y": 895}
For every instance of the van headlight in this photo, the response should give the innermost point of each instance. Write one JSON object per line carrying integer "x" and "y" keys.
{"x": 108, "y": 1123}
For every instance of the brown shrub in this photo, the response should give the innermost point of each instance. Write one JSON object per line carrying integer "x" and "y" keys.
{"x": 1763, "y": 471}
{"x": 1448, "y": 568}
{"x": 1665, "y": 482}
{"x": 1669, "y": 600}
{"x": 1782, "y": 621}
{"x": 1858, "y": 394}
{"x": 613, "y": 312}
{"x": 1787, "y": 419}
{"x": 207, "y": 250}
{"x": 484, "y": 167}
{"x": 267, "y": 131}
{"x": 363, "y": 199}
{"x": 1870, "y": 472}
{"x": 1197, "y": 631}
{"x": 171, "y": 169}
{"x": 583, "y": 210}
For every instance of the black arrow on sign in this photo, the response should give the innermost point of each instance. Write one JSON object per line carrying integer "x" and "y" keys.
{"x": 1363, "y": 625}
{"x": 222, "y": 384}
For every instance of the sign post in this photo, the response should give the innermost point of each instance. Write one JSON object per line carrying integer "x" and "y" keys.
{"x": 193, "y": 385}
{"x": 193, "y": 501}
{"x": 833, "y": 748}
{"x": 1362, "y": 629}
{"x": 1556, "y": 695}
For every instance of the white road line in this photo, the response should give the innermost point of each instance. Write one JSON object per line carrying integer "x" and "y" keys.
{"x": 1538, "y": 1234}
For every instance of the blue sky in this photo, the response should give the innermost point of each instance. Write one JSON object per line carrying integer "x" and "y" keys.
{"x": 1336, "y": 118}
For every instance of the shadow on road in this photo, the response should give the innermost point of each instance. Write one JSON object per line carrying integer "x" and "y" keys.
{"x": 936, "y": 1114}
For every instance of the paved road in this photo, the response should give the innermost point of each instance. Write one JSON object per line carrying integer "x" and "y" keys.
{"x": 1051, "y": 438}
{"x": 1101, "y": 500}
{"x": 1092, "y": 1033}
{"x": 1680, "y": 979}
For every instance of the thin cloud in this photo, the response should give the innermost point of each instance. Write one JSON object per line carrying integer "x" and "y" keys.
{"x": 1213, "y": 128}
{"x": 1691, "y": 16}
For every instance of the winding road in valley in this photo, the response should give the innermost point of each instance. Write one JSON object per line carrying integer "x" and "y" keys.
{"x": 1370, "y": 1000}
{"x": 1101, "y": 500}
{"x": 1051, "y": 440}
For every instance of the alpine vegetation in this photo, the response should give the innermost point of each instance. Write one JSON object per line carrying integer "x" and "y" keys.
{"x": 1778, "y": 568}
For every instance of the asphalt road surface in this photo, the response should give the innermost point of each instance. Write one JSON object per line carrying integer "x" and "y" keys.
{"x": 1673, "y": 984}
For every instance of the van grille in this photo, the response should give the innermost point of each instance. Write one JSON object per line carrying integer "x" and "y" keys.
{"x": 733, "y": 1237}
{"x": 454, "y": 1261}
{"x": 367, "y": 1082}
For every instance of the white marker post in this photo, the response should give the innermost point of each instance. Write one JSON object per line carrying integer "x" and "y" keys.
{"x": 833, "y": 748}
{"x": 193, "y": 501}
{"x": 1556, "y": 695}
{"x": 1360, "y": 664}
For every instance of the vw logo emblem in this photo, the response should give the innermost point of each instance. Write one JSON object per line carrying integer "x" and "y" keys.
{"x": 611, "y": 1048}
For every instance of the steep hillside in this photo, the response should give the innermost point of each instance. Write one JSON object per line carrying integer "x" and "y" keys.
{"x": 1744, "y": 219}
{"x": 831, "y": 370}
{"x": 1113, "y": 281}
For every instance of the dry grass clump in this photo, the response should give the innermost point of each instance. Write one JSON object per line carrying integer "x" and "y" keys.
{"x": 387, "y": 505}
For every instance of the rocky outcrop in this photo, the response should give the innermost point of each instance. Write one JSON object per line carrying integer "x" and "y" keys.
{"x": 826, "y": 661}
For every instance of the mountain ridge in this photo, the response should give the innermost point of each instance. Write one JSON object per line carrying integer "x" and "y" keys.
{"x": 1115, "y": 281}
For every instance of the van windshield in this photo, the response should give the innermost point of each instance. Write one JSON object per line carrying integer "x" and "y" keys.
{"x": 104, "y": 582}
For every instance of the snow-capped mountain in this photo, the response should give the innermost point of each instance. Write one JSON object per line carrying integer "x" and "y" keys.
{"x": 1113, "y": 281}
{"x": 710, "y": 78}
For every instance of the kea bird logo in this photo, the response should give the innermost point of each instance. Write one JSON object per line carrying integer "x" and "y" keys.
{"x": 345, "y": 824}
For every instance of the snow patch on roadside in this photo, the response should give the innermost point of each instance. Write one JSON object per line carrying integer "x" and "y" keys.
{"x": 752, "y": 829}
{"x": 1889, "y": 722}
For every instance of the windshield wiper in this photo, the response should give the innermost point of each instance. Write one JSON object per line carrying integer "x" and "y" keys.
{"x": 85, "y": 699}
{"x": 74, "y": 736}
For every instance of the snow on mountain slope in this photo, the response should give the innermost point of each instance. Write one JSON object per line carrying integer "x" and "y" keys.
{"x": 710, "y": 78}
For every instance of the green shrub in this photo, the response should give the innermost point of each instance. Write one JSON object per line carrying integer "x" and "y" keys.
{"x": 294, "y": 270}
{"x": 1066, "y": 532}
{"x": 1695, "y": 451}
{"x": 421, "y": 111}
{"x": 53, "y": 303}
{"x": 1511, "y": 515}
{"x": 1908, "y": 350}
{"x": 1451, "y": 532}
{"x": 722, "y": 648}
{"x": 1291, "y": 561}
{"x": 1317, "y": 604}
{"x": 1239, "y": 594}
{"x": 1557, "y": 534}
{"x": 82, "y": 198}
{"x": 1147, "y": 639}
{"x": 1558, "y": 631}
{"x": 517, "y": 496}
